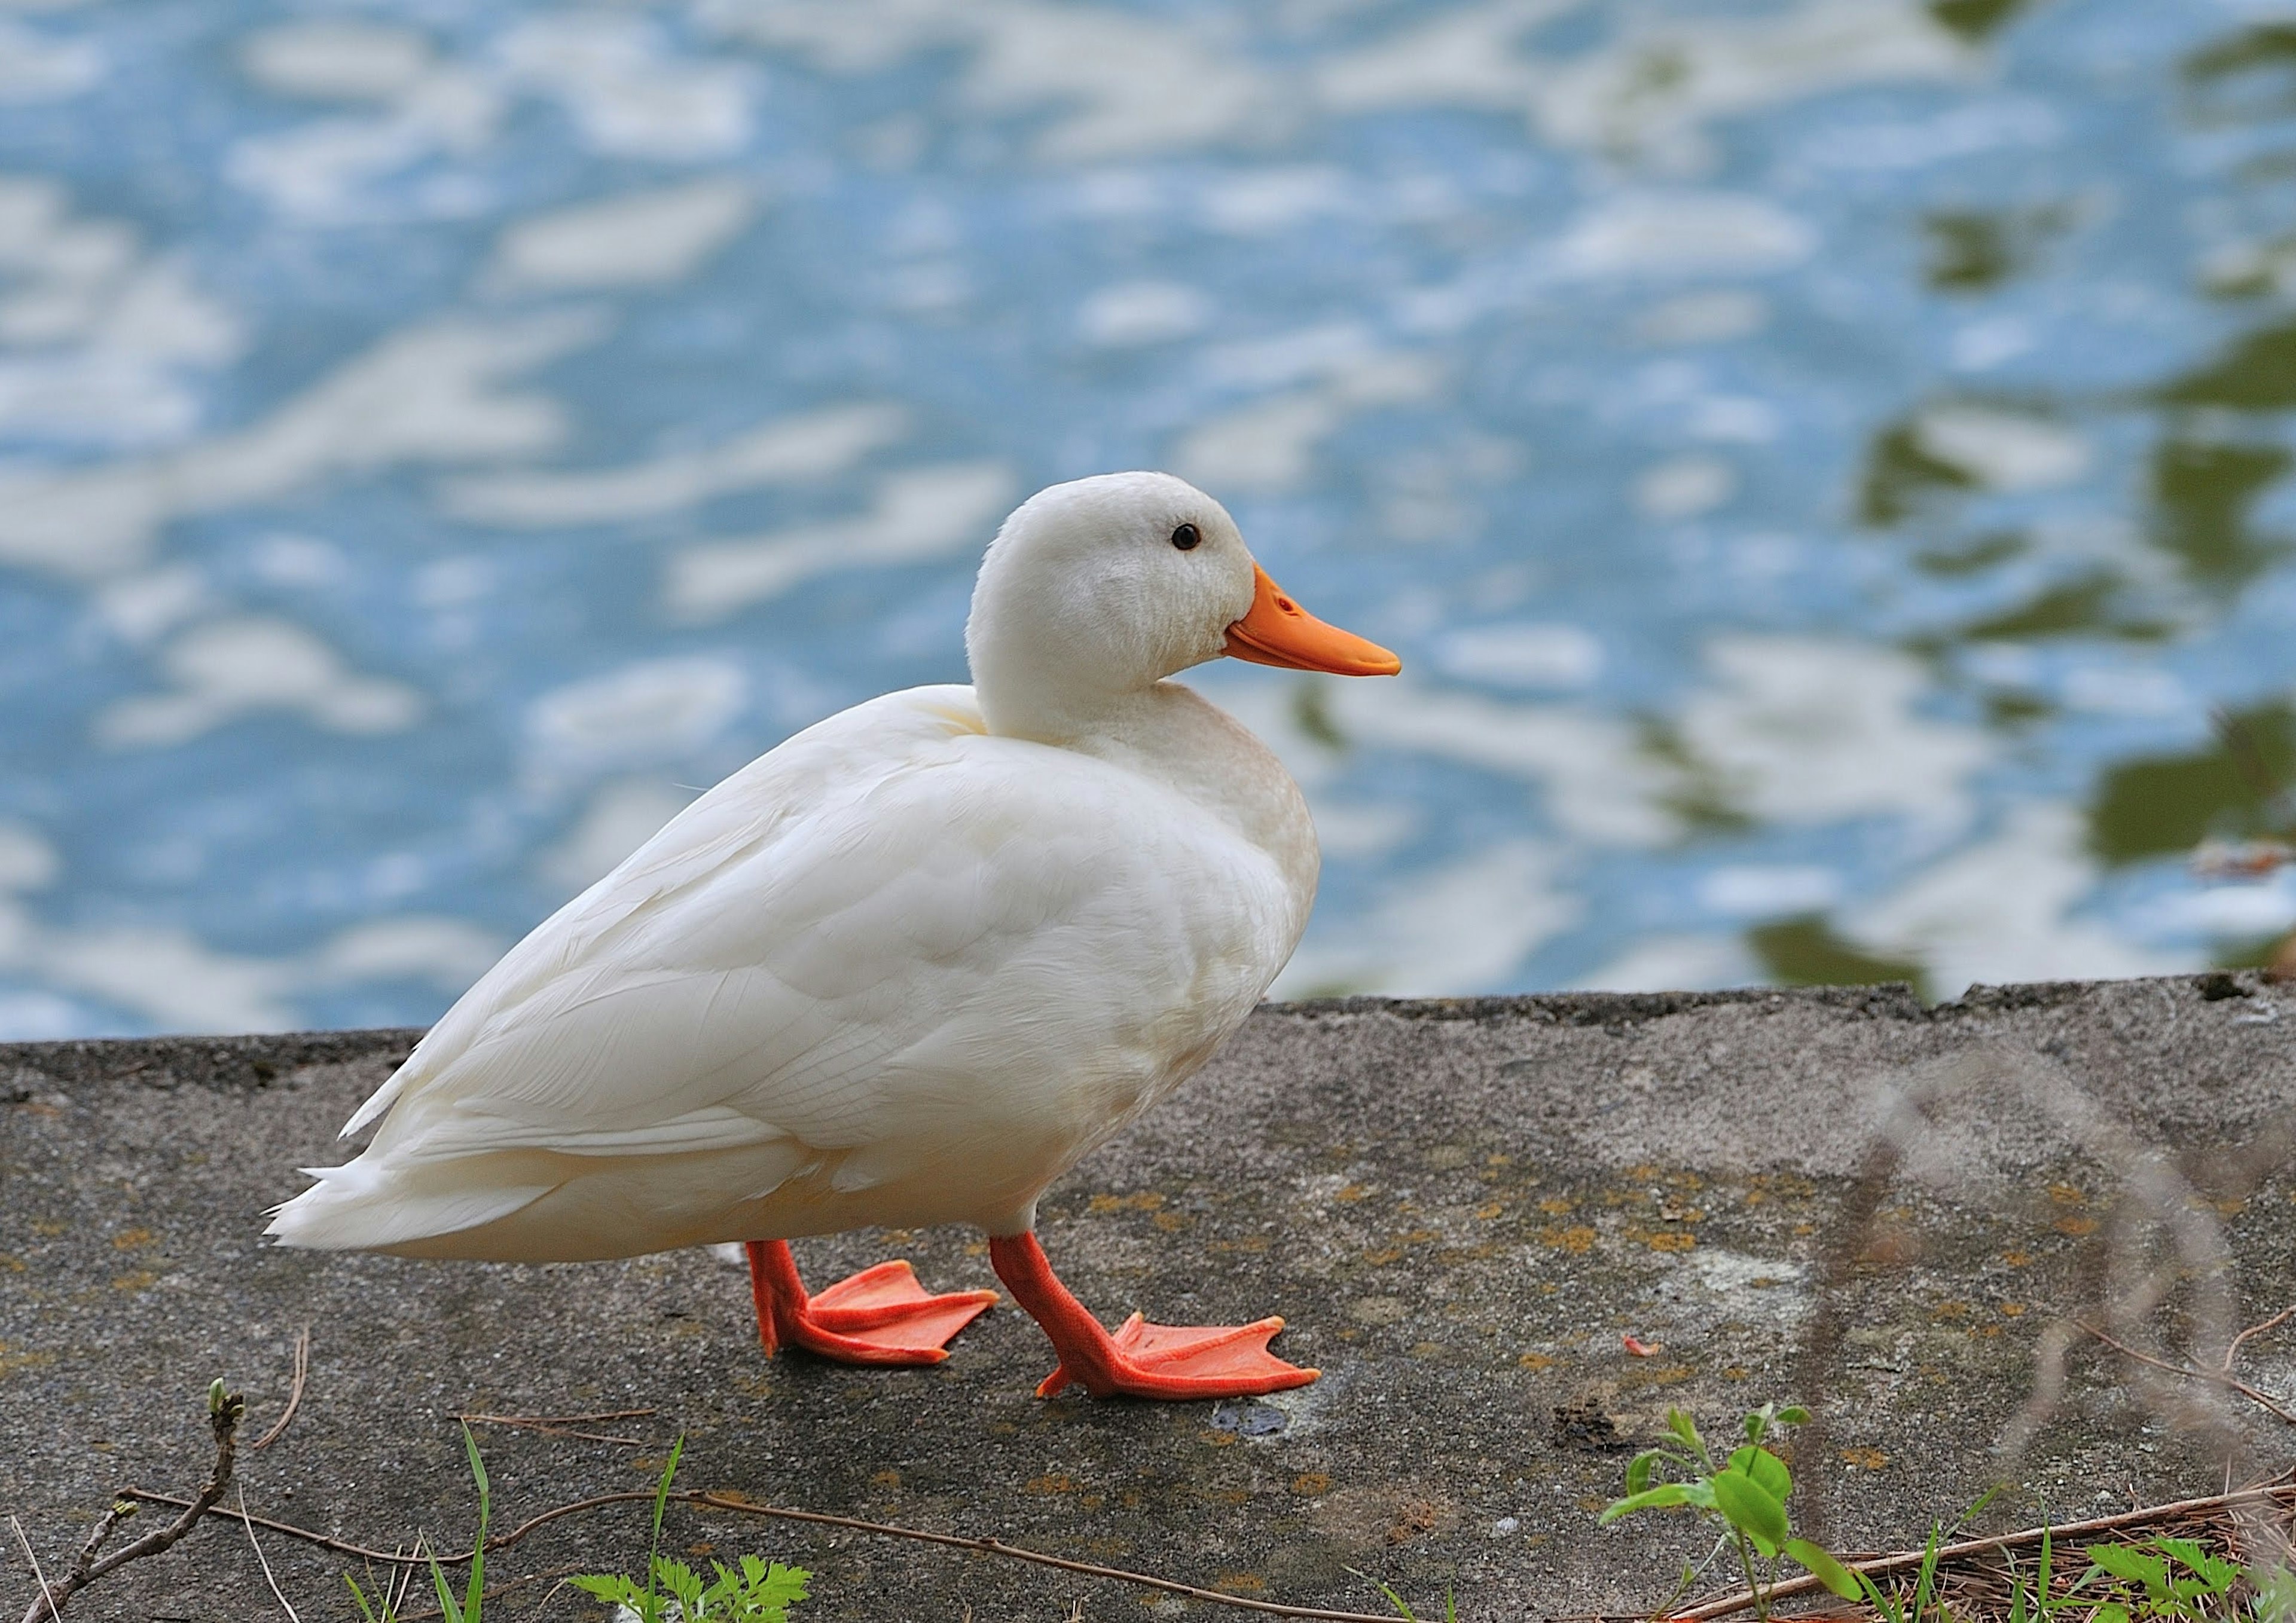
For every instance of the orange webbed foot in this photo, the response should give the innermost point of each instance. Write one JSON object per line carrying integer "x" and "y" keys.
{"x": 881, "y": 1315}
{"x": 1141, "y": 1359}
{"x": 1181, "y": 1361}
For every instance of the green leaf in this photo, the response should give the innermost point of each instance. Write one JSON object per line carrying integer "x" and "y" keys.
{"x": 1638, "y": 1469}
{"x": 475, "y": 1594}
{"x": 1751, "y": 1508}
{"x": 782, "y": 1586}
{"x": 2216, "y": 1573}
{"x": 611, "y": 1587}
{"x": 1793, "y": 1414}
{"x": 1679, "y": 1422}
{"x": 446, "y": 1606}
{"x": 1767, "y": 1468}
{"x": 1828, "y": 1571}
{"x": 365, "y": 1611}
{"x": 1757, "y": 1421}
{"x": 1652, "y": 1498}
{"x": 2131, "y": 1566}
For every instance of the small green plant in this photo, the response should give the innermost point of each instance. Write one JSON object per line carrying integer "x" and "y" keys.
{"x": 1747, "y": 1493}
{"x": 755, "y": 1592}
{"x": 467, "y": 1609}
{"x": 2163, "y": 1578}
{"x": 1402, "y": 1606}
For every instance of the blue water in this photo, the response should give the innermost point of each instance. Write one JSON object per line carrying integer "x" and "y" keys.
{"x": 1822, "y": 463}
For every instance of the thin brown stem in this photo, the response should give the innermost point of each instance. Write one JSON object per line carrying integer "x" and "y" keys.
{"x": 294, "y": 1392}
{"x": 562, "y": 1425}
{"x": 2257, "y": 1329}
{"x": 48, "y": 1600}
{"x": 2262, "y": 1399}
{"x": 225, "y": 1411}
{"x": 263, "y": 1561}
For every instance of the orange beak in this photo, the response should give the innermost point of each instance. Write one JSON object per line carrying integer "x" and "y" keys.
{"x": 1277, "y": 631}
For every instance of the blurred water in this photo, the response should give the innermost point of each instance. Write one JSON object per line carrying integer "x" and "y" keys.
{"x": 1822, "y": 463}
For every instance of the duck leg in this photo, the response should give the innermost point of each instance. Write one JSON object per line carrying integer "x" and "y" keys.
{"x": 1140, "y": 1360}
{"x": 879, "y": 1316}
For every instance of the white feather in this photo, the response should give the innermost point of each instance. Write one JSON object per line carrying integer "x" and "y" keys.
{"x": 901, "y": 970}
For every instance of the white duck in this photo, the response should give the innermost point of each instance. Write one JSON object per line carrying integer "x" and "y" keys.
{"x": 907, "y": 968}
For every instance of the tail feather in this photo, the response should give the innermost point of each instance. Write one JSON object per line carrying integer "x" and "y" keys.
{"x": 364, "y": 1207}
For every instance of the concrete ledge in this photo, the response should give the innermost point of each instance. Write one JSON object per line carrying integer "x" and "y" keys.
{"x": 1460, "y": 1206}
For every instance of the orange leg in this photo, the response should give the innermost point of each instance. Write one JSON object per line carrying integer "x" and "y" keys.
{"x": 1140, "y": 1360}
{"x": 879, "y": 1316}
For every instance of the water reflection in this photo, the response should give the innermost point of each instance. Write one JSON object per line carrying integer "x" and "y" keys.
{"x": 1824, "y": 462}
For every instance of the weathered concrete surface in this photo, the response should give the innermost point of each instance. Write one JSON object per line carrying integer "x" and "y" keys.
{"x": 1461, "y": 1208}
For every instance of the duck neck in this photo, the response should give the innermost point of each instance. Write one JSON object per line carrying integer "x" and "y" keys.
{"x": 1050, "y": 697}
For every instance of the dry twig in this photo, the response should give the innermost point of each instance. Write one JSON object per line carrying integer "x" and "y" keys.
{"x": 263, "y": 1561}
{"x": 225, "y": 1411}
{"x": 561, "y": 1425}
{"x": 2223, "y": 1377}
{"x": 294, "y": 1392}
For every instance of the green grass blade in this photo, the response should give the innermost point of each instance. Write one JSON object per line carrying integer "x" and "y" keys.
{"x": 660, "y": 1503}
{"x": 475, "y": 1594}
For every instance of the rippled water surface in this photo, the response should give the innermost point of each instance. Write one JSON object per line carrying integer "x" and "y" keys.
{"x": 1822, "y": 463}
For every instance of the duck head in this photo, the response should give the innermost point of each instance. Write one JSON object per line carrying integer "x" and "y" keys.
{"x": 1104, "y": 586}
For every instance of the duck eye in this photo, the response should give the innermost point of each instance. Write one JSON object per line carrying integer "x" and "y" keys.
{"x": 1186, "y": 537}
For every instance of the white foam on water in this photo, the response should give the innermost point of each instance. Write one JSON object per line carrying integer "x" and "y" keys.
{"x": 2225, "y": 911}
{"x": 1354, "y": 831}
{"x": 1710, "y": 316}
{"x": 1685, "y": 488}
{"x": 2001, "y": 911}
{"x": 2126, "y": 690}
{"x": 1654, "y": 90}
{"x": 1677, "y": 963}
{"x": 651, "y": 710}
{"x": 247, "y": 664}
{"x": 917, "y": 514}
{"x": 639, "y": 239}
{"x": 1468, "y": 56}
{"x": 447, "y": 953}
{"x": 96, "y": 337}
{"x": 167, "y": 976}
{"x": 785, "y": 450}
{"x": 2002, "y": 449}
{"x": 37, "y": 67}
{"x": 622, "y": 816}
{"x": 1598, "y": 785}
{"x": 1651, "y": 89}
{"x": 1804, "y": 731}
{"x": 43, "y": 1017}
{"x": 1446, "y": 932}
{"x": 415, "y": 106}
{"x": 1130, "y": 314}
{"x": 1525, "y": 654}
{"x": 140, "y": 609}
{"x": 28, "y": 862}
{"x": 1751, "y": 890}
{"x": 1270, "y": 446}
{"x": 1114, "y": 85}
{"x": 1261, "y": 202}
{"x": 349, "y": 59}
{"x": 1684, "y": 233}
{"x": 429, "y": 393}
{"x": 630, "y": 94}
